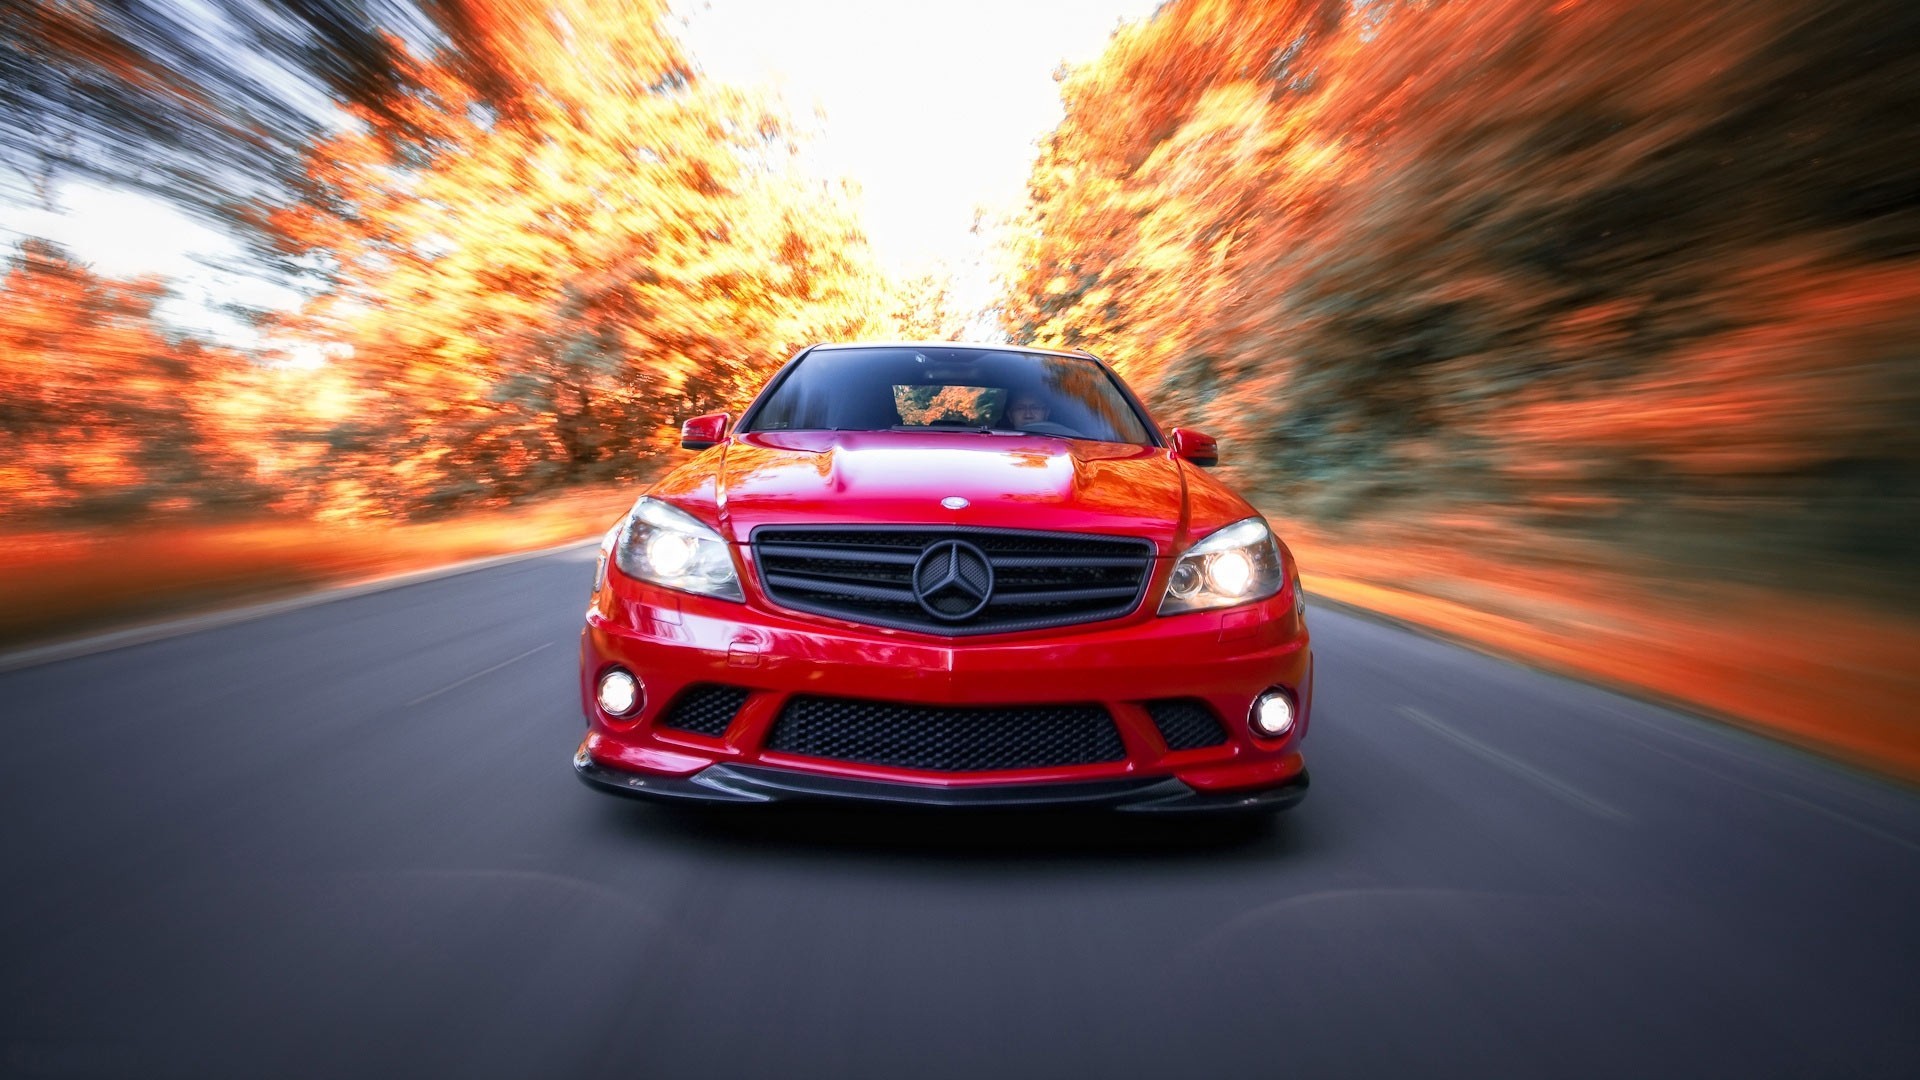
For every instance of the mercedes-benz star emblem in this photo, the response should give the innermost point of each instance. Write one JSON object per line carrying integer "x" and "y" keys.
{"x": 954, "y": 502}
{"x": 953, "y": 580}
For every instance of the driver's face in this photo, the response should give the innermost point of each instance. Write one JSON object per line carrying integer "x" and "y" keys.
{"x": 1026, "y": 410}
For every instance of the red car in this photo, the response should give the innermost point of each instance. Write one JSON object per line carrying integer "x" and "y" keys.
{"x": 947, "y": 575}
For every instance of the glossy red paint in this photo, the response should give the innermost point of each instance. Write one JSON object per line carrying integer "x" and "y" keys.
{"x": 1197, "y": 447}
{"x": 703, "y": 431}
{"x": 673, "y": 640}
{"x": 1021, "y": 482}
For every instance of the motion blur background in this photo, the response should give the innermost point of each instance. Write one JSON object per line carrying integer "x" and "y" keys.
{"x": 1583, "y": 330}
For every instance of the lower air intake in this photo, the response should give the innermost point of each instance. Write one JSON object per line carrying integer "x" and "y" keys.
{"x": 1186, "y": 723}
{"x": 940, "y": 738}
{"x": 705, "y": 709}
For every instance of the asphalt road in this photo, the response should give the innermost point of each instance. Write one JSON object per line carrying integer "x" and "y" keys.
{"x": 347, "y": 841}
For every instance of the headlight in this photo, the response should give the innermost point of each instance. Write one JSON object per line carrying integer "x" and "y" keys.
{"x": 670, "y": 547}
{"x": 1235, "y": 565}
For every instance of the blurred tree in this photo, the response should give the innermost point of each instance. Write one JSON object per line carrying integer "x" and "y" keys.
{"x": 923, "y": 308}
{"x": 531, "y": 294}
{"x": 213, "y": 105}
{"x": 97, "y": 409}
{"x": 1624, "y": 264}
{"x": 207, "y": 105}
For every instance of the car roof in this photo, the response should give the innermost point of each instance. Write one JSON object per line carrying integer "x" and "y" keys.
{"x": 980, "y": 346}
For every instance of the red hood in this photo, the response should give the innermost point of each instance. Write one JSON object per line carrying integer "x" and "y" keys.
{"x": 1009, "y": 481}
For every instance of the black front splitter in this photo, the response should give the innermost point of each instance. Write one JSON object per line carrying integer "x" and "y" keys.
{"x": 749, "y": 784}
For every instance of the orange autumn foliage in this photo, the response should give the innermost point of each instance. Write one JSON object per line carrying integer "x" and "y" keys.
{"x": 530, "y": 289}
{"x": 1637, "y": 271}
{"x": 97, "y": 412}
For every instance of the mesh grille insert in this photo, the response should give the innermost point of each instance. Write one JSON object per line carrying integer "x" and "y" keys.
{"x": 943, "y": 738}
{"x": 705, "y": 709}
{"x": 1186, "y": 723}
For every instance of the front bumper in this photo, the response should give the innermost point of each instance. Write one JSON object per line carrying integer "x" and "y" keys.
{"x": 748, "y": 784}
{"x": 676, "y": 643}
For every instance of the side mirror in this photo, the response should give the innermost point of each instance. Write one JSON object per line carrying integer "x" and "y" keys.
{"x": 1191, "y": 445}
{"x": 703, "y": 431}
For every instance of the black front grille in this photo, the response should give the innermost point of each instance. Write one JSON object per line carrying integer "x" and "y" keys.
{"x": 1186, "y": 723}
{"x": 866, "y": 574}
{"x": 704, "y": 710}
{"x": 946, "y": 738}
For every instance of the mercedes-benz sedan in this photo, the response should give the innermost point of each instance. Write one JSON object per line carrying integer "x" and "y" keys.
{"x": 949, "y": 575}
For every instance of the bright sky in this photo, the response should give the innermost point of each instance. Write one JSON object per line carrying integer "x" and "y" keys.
{"x": 934, "y": 108}
{"x": 127, "y": 234}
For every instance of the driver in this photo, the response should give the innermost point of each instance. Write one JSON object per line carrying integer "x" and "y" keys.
{"x": 1026, "y": 408}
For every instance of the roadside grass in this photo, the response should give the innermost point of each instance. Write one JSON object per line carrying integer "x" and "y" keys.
{"x": 1833, "y": 676}
{"x": 57, "y": 584}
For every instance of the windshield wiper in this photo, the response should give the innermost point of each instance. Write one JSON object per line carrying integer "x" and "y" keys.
{"x": 963, "y": 428}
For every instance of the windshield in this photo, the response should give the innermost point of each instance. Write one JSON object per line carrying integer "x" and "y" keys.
{"x": 933, "y": 389}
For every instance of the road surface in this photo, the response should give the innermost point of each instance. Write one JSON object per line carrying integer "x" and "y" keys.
{"x": 346, "y": 841}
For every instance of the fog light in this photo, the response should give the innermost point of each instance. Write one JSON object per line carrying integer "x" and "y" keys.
{"x": 619, "y": 693}
{"x": 1273, "y": 714}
